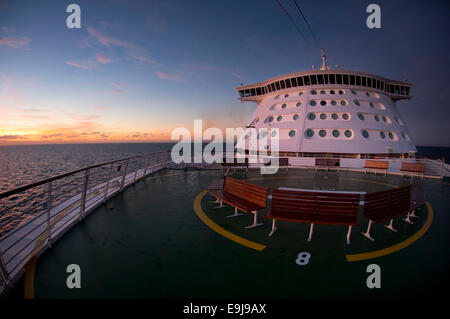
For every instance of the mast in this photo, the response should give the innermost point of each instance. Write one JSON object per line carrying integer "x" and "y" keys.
{"x": 323, "y": 66}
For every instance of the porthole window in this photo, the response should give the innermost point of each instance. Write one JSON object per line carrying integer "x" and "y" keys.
{"x": 365, "y": 134}
{"x": 323, "y": 103}
{"x": 391, "y": 136}
{"x": 276, "y": 97}
{"x": 323, "y": 116}
{"x": 357, "y": 102}
{"x": 384, "y": 119}
{"x": 371, "y": 105}
{"x": 322, "y": 133}
{"x": 333, "y": 102}
{"x": 283, "y": 106}
{"x": 298, "y": 104}
{"x": 309, "y": 133}
{"x": 377, "y": 118}
{"x": 274, "y": 133}
{"x": 336, "y": 133}
{"x": 343, "y": 103}
{"x": 367, "y": 93}
{"x": 279, "y": 118}
{"x": 313, "y": 92}
{"x": 323, "y": 92}
{"x": 345, "y": 116}
{"x": 272, "y": 107}
{"x": 312, "y": 103}
{"x": 334, "y": 116}
{"x": 348, "y": 133}
{"x": 341, "y": 92}
{"x": 295, "y": 117}
{"x": 332, "y": 92}
{"x": 268, "y": 119}
{"x": 361, "y": 116}
{"x": 354, "y": 92}
{"x": 292, "y": 133}
{"x": 264, "y": 134}
{"x": 383, "y": 136}
{"x": 286, "y": 95}
{"x": 300, "y": 93}
{"x": 311, "y": 116}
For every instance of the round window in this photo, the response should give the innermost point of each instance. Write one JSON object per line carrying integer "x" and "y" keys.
{"x": 371, "y": 105}
{"x": 348, "y": 133}
{"x": 343, "y": 103}
{"x": 286, "y": 95}
{"x": 361, "y": 117}
{"x": 333, "y": 102}
{"x": 383, "y": 136}
{"x": 323, "y": 103}
{"x": 274, "y": 133}
{"x": 313, "y": 92}
{"x": 334, "y": 116}
{"x": 323, "y": 92}
{"x": 322, "y": 133}
{"x": 279, "y": 118}
{"x": 300, "y": 93}
{"x": 283, "y": 106}
{"x": 332, "y": 92}
{"x": 268, "y": 119}
{"x": 357, "y": 102}
{"x": 298, "y": 104}
{"x": 367, "y": 93}
{"x": 384, "y": 119}
{"x": 309, "y": 133}
{"x": 311, "y": 116}
{"x": 391, "y": 136}
{"x": 323, "y": 116}
{"x": 336, "y": 133}
{"x": 295, "y": 117}
{"x": 345, "y": 116}
{"x": 272, "y": 107}
{"x": 264, "y": 134}
{"x": 341, "y": 92}
{"x": 354, "y": 92}
{"x": 377, "y": 118}
{"x": 291, "y": 133}
{"x": 365, "y": 134}
{"x": 312, "y": 103}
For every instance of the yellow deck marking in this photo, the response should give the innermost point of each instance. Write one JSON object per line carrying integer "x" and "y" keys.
{"x": 225, "y": 233}
{"x": 397, "y": 247}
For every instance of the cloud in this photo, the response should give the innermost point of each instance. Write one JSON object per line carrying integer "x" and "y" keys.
{"x": 81, "y": 65}
{"x": 133, "y": 52}
{"x": 173, "y": 77}
{"x": 103, "y": 59}
{"x": 14, "y": 42}
{"x": 10, "y": 137}
{"x": 117, "y": 88}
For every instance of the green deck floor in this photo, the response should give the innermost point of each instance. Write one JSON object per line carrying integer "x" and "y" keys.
{"x": 151, "y": 244}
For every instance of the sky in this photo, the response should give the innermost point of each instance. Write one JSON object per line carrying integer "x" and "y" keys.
{"x": 136, "y": 70}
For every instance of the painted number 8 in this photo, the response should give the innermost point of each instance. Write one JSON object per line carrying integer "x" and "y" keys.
{"x": 303, "y": 259}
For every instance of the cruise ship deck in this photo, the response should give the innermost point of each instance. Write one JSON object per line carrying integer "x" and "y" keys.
{"x": 163, "y": 238}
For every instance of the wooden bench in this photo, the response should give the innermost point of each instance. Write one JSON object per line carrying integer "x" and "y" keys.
{"x": 386, "y": 205}
{"x": 243, "y": 196}
{"x": 375, "y": 166}
{"x": 327, "y": 163}
{"x": 413, "y": 169}
{"x": 283, "y": 162}
{"x": 314, "y": 207}
{"x": 237, "y": 162}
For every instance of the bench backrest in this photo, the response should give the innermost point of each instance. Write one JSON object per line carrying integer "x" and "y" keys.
{"x": 413, "y": 167}
{"x": 282, "y": 161}
{"x": 315, "y": 205}
{"x": 384, "y": 205}
{"x": 327, "y": 162}
{"x": 248, "y": 191}
{"x": 376, "y": 164}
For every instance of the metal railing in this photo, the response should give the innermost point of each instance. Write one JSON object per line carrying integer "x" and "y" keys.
{"x": 33, "y": 216}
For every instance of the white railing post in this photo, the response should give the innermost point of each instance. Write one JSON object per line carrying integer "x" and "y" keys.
{"x": 107, "y": 183}
{"x": 84, "y": 194}
{"x": 49, "y": 206}
{"x": 123, "y": 176}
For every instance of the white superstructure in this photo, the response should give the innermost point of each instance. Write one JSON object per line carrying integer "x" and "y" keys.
{"x": 331, "y": 111}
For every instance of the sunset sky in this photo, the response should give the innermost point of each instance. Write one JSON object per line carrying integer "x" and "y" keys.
{"x": 138, "y": 69}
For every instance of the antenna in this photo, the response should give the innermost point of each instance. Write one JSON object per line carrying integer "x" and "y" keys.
{"x": 324, "y": 66}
